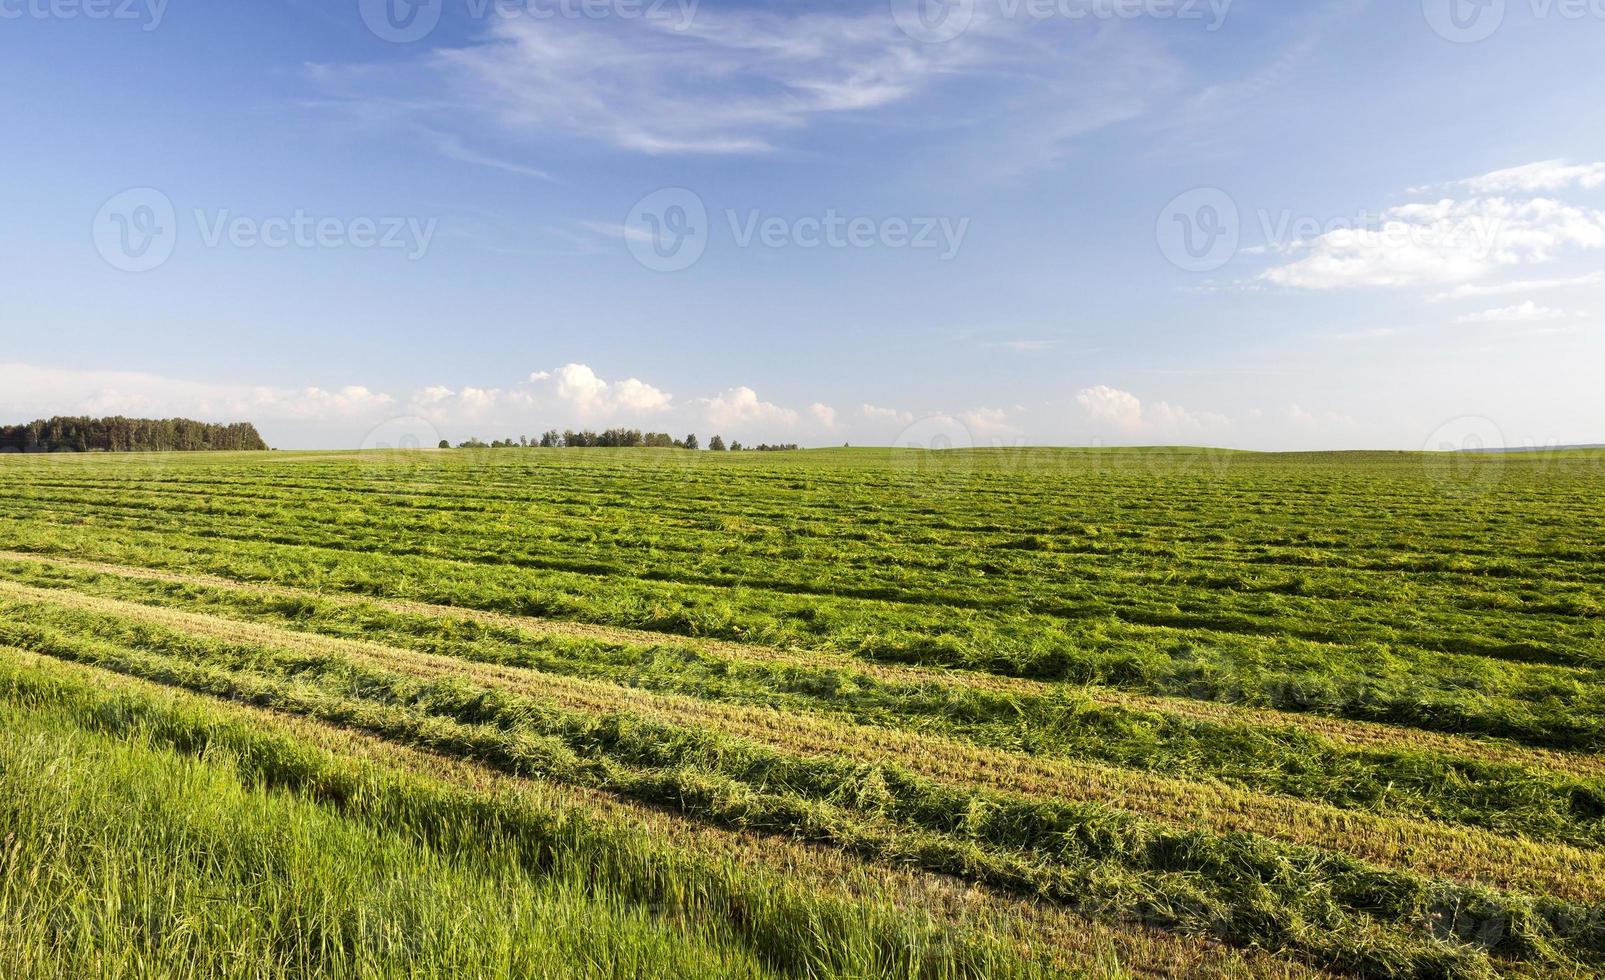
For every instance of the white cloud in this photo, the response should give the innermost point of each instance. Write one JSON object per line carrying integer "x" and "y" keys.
{"x": 32, "y": 390}
{"x": 740, "y": 409}
{"x": 1521, "y": 313}
{"x": 578, "y": 387}
{"x": 572, "y": 394}
{"x": 452, "y": 148}
{"x": 351, "y": 400}
{"x": 1304, "y": 420}
{"x": 1544, "y": 175}
{"x": 1127, "y": 416}
{"x": 614, "y": 231}
{"x": 987, "y": 423}
{"x": 823, "y": 415}
{"x": 467, "y": 404}
{"x": 878, "y": 414}
{"x": 1119, "y": 408}
{"x": 748, "y": 80}
{"x": 1442, "y": 243}
{"x": 726, "y": 82}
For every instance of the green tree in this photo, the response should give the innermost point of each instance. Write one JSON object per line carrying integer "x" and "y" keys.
{"x": 716, "y": 444}
{"x": 691, "y": 441}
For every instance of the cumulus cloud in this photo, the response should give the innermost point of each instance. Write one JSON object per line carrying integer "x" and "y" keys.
{"x": 1509, "y": 219}
{"x": 1112, "y": 405}
{"x": 466, "y": 404}
{"x": 573, "y": 394}
{"x": 987, "y": 423}
{"x": 1126, "y": 415}
{"x": 579, "y": 387}
{"x": 879, "y": 414}
{"x": 1442, "y": 243}
{"x": 740, "y": 409}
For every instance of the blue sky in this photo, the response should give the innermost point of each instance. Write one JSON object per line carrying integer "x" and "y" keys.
{"x": 820, "y": 223}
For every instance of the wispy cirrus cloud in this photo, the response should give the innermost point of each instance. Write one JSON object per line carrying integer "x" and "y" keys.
{"x": 726, "y": 82}
{"x": 749, "y": 81}
{"x": 1541, "y": 176}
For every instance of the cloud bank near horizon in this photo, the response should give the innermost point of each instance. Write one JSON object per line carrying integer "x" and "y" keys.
{"x": 575, "y": 396}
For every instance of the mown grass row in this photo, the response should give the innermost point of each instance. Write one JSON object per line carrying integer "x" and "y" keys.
{"x": 1311, "y": 903}
{"x": 937, "y": 909}
{"x": 1017, "y": 543}
{"x": 176, "y": 839}
{"x": 1535, "y": 704}
{"x": 1063, "y": 573}
{"x": 1461, "y": 854}
{"x": 1285, "y": 511}
{"x": 1052, "y": 722}
{"x": 1379, "y": 502}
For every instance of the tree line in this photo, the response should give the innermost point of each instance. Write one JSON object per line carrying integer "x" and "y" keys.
{"x": 121, "y": 435}
{"x": 612, "y": 439}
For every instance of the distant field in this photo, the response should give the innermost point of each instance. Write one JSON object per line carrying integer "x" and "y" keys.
{"x": 838, "y": 713}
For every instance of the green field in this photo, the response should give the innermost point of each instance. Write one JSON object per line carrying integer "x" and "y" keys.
{"x": 840, "y": 713}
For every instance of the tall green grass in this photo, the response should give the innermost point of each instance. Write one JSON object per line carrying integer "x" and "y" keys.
{"x": 124, "y": 859}
{"x": 149, "y": 837}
